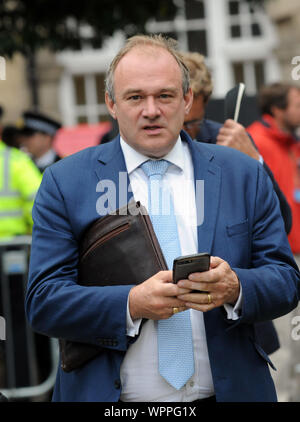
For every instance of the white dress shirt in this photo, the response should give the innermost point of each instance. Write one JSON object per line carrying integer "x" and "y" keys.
{"x": 140, "y": 377}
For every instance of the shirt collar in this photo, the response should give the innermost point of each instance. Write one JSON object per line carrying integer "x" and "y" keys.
{"x": 134, "y": 159}
{"x": 46, "y": 159}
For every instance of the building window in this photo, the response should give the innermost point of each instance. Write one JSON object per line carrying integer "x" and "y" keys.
{"x": 79, "y": 90}
{"x": 252, "y": 73}
{"x": 197, "y": 41}
{"x": 255, "y": 30}
{"x": 238, "y": 72}
{"x": 243, "y": 20}
{"x": 189, "y": 27}
{"x": 259, "y": 74}
{"x": 194, "y": 9}
{"x": 89, "y": 98}
{"x": 235, "y": 31}
{"x": 234, "y": 8}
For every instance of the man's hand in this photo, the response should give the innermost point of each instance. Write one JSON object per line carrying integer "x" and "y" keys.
{"x": 234, "y": 135}
{"x": 156, "y": 297}
{"x": 220, "y": 283}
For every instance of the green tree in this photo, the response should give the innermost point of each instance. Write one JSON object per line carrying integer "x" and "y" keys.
{"x": 26, "y": 26}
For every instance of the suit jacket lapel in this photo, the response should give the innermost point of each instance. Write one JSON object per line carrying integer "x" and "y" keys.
{"x": 207, "y": 188}
{"x": 113, "y": 176}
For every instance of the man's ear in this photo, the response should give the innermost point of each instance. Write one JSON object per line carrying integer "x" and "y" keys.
{"x": 110, "y": 104}
{"x": 188, "y": 98}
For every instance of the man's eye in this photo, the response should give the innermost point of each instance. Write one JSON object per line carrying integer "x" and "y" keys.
{"x": 135, "y": 97}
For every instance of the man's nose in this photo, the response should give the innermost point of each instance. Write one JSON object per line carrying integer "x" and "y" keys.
{"x": 151, "y": 109}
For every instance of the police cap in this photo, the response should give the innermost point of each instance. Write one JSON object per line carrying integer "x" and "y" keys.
{"x": 38, "y": 122}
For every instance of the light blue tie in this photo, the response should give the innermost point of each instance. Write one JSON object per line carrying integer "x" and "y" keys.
{"x": 175, "y": 343}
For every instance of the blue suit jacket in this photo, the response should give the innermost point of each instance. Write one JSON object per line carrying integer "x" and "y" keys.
{"x": 265, "y": 331}
{"x": 242, "y": 224}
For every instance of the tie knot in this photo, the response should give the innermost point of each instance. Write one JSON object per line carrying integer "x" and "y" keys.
{"x": 155, "y": 167}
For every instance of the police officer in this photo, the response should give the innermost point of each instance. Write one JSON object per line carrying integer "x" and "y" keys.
{"x": 37, "y": 135}
{"x": 19, "y": 182}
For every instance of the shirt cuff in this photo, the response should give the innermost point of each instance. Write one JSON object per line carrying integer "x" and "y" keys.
{"x": 132, "y": 327}
{"x": 233, "y": 312}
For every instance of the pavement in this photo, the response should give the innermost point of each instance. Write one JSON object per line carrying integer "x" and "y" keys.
{"x": 287, "y": 358}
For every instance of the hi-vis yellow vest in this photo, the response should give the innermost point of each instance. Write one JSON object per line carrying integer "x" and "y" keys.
{"x": 19, "y": 182}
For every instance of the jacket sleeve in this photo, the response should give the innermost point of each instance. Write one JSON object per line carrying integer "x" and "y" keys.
{"x": 271, "y": 285}
{"x": 55, "y": 304}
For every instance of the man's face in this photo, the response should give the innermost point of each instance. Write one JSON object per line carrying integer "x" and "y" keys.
{"x": 36, "y": 144}
{"x": 149, "y": 102}
{"x": 291, "y": 115}
{"x": 193, "y": 119}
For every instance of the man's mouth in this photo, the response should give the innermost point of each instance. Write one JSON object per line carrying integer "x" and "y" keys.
{"x": 152, "y": 129}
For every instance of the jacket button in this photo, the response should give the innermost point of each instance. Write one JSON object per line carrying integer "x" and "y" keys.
{"x": 117, "y": 384}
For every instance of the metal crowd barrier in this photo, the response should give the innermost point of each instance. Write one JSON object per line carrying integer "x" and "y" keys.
{"x": 23, "y": 353}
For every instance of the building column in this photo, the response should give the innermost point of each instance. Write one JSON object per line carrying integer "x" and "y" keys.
{"x": 217, "y": 38}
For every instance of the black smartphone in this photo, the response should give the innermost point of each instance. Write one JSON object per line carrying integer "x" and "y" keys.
{"x": 183, "y": 266}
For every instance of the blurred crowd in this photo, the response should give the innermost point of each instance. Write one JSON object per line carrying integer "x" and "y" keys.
{"x": 26, "y": 149}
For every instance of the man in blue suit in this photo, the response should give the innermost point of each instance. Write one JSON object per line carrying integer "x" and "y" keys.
{"x": 234, "y": 215}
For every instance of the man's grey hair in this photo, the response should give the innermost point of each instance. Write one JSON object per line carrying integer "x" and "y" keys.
{"x": 158, "y": 41}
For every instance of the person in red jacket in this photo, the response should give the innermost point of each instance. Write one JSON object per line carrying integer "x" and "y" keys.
{"x": 275, "y": 137}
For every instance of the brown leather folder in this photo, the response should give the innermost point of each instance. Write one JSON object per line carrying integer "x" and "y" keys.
{"x": 120, "y": 248}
